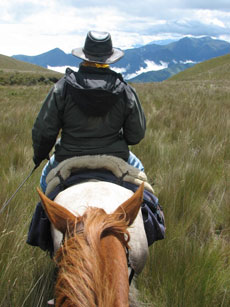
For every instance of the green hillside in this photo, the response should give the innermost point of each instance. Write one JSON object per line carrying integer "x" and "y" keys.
{"x": 214, "y": 69}
{"x": 14, "y": 72}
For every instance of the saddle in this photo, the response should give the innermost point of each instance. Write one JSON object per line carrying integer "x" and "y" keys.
{"x": 117, "y": 166}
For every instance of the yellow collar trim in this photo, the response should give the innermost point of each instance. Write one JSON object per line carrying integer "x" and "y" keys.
{"x": 97, "y": 65}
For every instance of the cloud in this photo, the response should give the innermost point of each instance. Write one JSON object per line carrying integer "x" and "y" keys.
{"x": 150, "y": 66}
{"x": 197, "y": 24}
{"x": 187, "y": 62}
{"x": 220, "y": 5}
{"x": 62, "y": 69}
{"x": 35, "y": 26}
{"x": 119, "y": 70}
{"x": 151, "y": 7}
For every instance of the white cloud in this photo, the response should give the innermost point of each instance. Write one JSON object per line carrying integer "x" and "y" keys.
{"x": 150, "y": 66}
{"x": 119, "y": 70}
{"x": 62, "y": 69}
{"x": 213, "y": 18}
{"x": 35, "y": 26}
{"x": 188, "y": 62}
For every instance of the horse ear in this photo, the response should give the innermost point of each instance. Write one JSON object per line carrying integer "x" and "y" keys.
{"x": 130, "y": 208}
{"x": 60, "y": 217}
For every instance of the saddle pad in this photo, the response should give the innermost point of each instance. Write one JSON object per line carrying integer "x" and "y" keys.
{"x": 117, "y": 166}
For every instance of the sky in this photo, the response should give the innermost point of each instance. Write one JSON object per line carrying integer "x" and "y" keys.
{"x": 32, "y": 27}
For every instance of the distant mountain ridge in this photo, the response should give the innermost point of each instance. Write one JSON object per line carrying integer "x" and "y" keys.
{"x": 175, "y": 56}
{"x": 54, "y": 57}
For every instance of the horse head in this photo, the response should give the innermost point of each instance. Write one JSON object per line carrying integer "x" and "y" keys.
{"x": 92, "y": 260}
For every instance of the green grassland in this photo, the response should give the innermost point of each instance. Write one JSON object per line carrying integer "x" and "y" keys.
{"x": 186, "y": 154}
{"x": 216, "y": 69}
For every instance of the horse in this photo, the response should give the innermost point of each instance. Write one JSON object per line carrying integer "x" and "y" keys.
{"x": 94, "y": 225}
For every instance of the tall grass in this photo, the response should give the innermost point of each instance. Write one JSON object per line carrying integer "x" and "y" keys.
{"x": 24, "y": 270}
{"x": 186, "y": 157}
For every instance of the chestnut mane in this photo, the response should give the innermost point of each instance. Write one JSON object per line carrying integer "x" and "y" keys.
{"x": 84, "y": 279}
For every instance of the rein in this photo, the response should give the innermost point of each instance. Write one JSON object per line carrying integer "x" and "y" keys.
{"x": 19, "y": 187}
{"x": 132, "y": 272}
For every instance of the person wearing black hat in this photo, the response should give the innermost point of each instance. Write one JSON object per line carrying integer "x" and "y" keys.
{"x": 96, "y": 111}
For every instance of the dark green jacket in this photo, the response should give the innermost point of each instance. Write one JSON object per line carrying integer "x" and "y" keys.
{"x": 96, "y": 112}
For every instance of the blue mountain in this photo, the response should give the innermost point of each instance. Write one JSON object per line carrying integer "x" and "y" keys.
{"x": 136, "y": 60}
{"x": 54, "y": 57}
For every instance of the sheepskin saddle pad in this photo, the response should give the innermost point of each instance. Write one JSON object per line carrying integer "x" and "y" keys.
{"x": 117, "y": 166}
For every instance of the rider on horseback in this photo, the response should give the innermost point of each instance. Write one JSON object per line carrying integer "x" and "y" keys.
{"x": 96, "y": 111}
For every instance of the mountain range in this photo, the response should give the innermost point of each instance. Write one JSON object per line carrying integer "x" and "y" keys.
{"x": 149, "y": 63}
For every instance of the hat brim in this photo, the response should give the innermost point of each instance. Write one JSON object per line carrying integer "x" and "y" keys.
{"x": 114, "y": 57}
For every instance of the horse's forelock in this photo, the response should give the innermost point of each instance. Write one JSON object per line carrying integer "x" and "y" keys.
{"x": 79, "y": 257}
{"x": 98, "y": 224}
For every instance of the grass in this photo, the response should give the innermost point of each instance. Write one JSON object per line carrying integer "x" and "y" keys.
{"x": 216, "y": 69}
{"x": 186, "y": 154}
{"x": 23, "y": 269}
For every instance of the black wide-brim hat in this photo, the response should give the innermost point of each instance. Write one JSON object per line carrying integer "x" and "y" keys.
{"x": 98, "y": 48}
